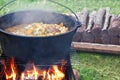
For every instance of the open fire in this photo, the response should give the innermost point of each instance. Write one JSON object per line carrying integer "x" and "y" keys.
{"x": 32, "y": 72}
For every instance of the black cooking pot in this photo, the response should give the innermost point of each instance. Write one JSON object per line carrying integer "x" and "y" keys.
{"x": 37, "y": 49}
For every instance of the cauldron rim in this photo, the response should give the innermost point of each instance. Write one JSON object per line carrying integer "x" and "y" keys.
{"x": 74, "y": 28}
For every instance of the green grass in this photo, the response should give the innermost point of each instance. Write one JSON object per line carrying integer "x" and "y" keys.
{"x": 97, "y": 66}
{"x": 75, "y": 5}
{"x": 78, "y": 5}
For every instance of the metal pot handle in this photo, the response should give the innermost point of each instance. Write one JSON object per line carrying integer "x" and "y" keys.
{"x": 7, "y": 4}
{"x": 78, "y": 22}
{"x": 48, "y": 0}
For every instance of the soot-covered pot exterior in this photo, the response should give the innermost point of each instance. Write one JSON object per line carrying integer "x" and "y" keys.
{"x": 37, "y": 49}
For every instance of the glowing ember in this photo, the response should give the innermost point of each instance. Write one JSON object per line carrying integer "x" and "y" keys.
{"x": 31, "y": 72}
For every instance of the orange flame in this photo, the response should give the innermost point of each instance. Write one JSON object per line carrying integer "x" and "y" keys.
{"x": 55, "y": 72}
{"x": 11, "y": 73}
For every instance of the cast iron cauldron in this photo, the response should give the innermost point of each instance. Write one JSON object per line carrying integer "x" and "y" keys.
{"x": 36, "y": 49}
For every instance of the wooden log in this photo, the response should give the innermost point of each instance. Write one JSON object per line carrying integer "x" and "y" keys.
{"x": 114, "y": 31}
{"x": 96, "y": 31}
{"x": 113, "y": 17}
{"x": 77, "y": 75}
{"x": 105, "y": 37}
{"x": 95, "y": 47}
{"x": 107, "y": 19}
{"x": 78, "y": 35}
{"x": 98, "y": 23}
{"x": 83, "y": 17}
{"x": 91, "y": 21}
{"x": 87, "y": 35}
{"x": 99, "y": 19}
{"x": 104, "y": 33}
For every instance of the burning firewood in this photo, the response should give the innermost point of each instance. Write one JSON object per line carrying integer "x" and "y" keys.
{"x": 87, "y": 35}
{"x": 104, "y": 33}
{"x": 98, "y": 23}
{"x": 114, "y": 31}
{"x": 83, "y": 17}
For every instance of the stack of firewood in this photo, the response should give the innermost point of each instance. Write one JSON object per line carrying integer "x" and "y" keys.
{"x": 98, "y": 27}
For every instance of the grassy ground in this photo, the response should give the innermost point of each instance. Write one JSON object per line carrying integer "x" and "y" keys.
{"x": 90, "y": 65}
{"x": 75, "y": 5}
{"x": 97, "y": 66}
